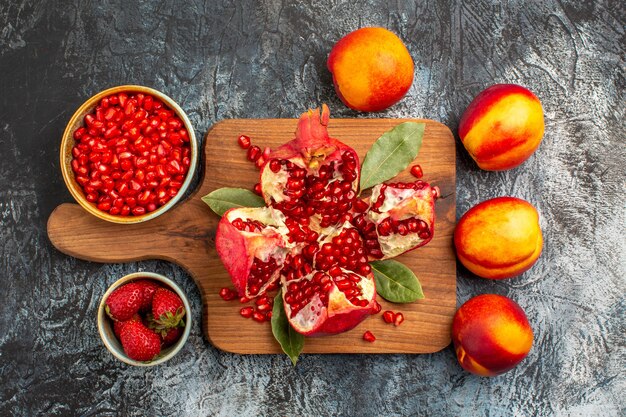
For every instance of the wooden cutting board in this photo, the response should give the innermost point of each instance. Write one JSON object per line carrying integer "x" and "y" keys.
{"x": 186, "y": 235}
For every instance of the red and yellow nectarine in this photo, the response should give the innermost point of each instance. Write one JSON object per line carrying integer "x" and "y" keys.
{"x": 502, "y": 126}
{"x": 499, "y": 238}
{"x": 371, "y": 68}
{"x": 491, "y": 334}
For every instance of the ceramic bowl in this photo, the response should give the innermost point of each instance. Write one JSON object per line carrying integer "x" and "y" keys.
{"x": 105, "y": 324}
{"x": 68, "y": 143}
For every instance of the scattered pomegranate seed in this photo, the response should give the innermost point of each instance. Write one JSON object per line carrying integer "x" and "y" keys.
{"x": 264, "y": 308}
{"x": 389, "y": 316}
{"x": 246, "y": 312}
{"x": 254, "y": 153}
{"x": 257, "y": 189}
{"x": 377, "y": 308}
{"x": 244, "y": 299}
{"x": 268, "y": 316}
{"x": 369, "y": 337}
{"x": 258, "y": 316}
{"x": 436, "y": 192}
{"x": 260, "y": 162}
{"x": 264, "y": 303}
{"x": 244, "y": 141}
{"x": 262, "y": 300}
{"x": 266, "y": 152}
{"x": 416, "y": 171}
{"x": 227, "y": 294}
{"x": 399, "y": 319}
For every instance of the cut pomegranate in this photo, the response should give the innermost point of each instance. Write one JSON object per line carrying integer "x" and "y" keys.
{"x": 401, "y": 217}
{"x": 250, "y": 241}
{"x": 313, "y": 176}
{"x": 332, "y": 290}
{"x": 316, "y": 235}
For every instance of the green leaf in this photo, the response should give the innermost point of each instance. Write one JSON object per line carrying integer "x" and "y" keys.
{"x": 395, "y": 282}
{"x": 391, "y": 153}
{"x": 291, "y": 341}
{"x": 226, "y": 198}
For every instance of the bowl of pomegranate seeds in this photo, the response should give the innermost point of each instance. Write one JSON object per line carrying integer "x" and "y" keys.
{"x": 144, "y": 319}
{"x": 128, "y": 154}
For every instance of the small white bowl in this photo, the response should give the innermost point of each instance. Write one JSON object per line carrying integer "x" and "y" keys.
{"x": 105, "y": 327}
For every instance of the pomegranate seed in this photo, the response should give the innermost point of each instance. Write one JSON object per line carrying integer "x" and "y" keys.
{"x": 130, "y": 139}
{"x": 262, "y": 300}
{"x": 257, "y": 189}
{"x": 266, "y": 153}
{"x": 138, "y": 211}
{"x": 258, "y": 316}
{"x": 227, "y": 294}
{"x": 246, "y": 312}
{"x": 377, "y": 307}
{"x": 416, "y": 171}
{"x": 244, "y": 299}
{"x": 122, "y": 99}
{"x": 369, "y": 337}
{"x": 389, "y": 316}
{"x": 399, "y": 319}
{"x": 260, "y": 162}
{"x": 254, "y": 153}
{"x": 436, "y": 192}
{"x": 275, "y": 165}
{"x": 264, "y": 308}
{"x": 360, "y": 206}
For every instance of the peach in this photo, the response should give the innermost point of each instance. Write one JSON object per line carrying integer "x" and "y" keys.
{"x": 491, "y": 334}
{"x": 371, "y": 68}
{"x": 502, "y": 126}
{"x": 499, "y": 238}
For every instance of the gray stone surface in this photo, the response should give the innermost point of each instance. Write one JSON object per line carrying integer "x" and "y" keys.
{"x": 225, "y": 59}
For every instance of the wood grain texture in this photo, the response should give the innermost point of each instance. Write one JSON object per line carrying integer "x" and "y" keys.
{"x": 185, "y": 235}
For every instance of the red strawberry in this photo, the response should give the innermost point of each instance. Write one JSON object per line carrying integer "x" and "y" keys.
{"x": 149, "y": 288}
{"x": 167, "y": 309}
{"x": 170, "y": 336}
{"x": 124, "y": 302}
{"x": 139, "y": 342}
{"x": 119, "y": 325}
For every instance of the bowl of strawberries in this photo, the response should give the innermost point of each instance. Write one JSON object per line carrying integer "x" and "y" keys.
{"x": 143, "y": 319}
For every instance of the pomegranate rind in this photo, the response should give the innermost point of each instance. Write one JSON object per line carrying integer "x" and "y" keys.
{"x": 237, "y": 249}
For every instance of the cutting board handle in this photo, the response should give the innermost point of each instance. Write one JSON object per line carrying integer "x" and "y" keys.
{"x": 173, "y": 236}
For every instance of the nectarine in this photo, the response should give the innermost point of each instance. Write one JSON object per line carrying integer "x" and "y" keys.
{"x": 499, "y": 238}
{"x": 491, "y": 334}
{"x": 502, "y": 126}
{"x": 371, "y": 68}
